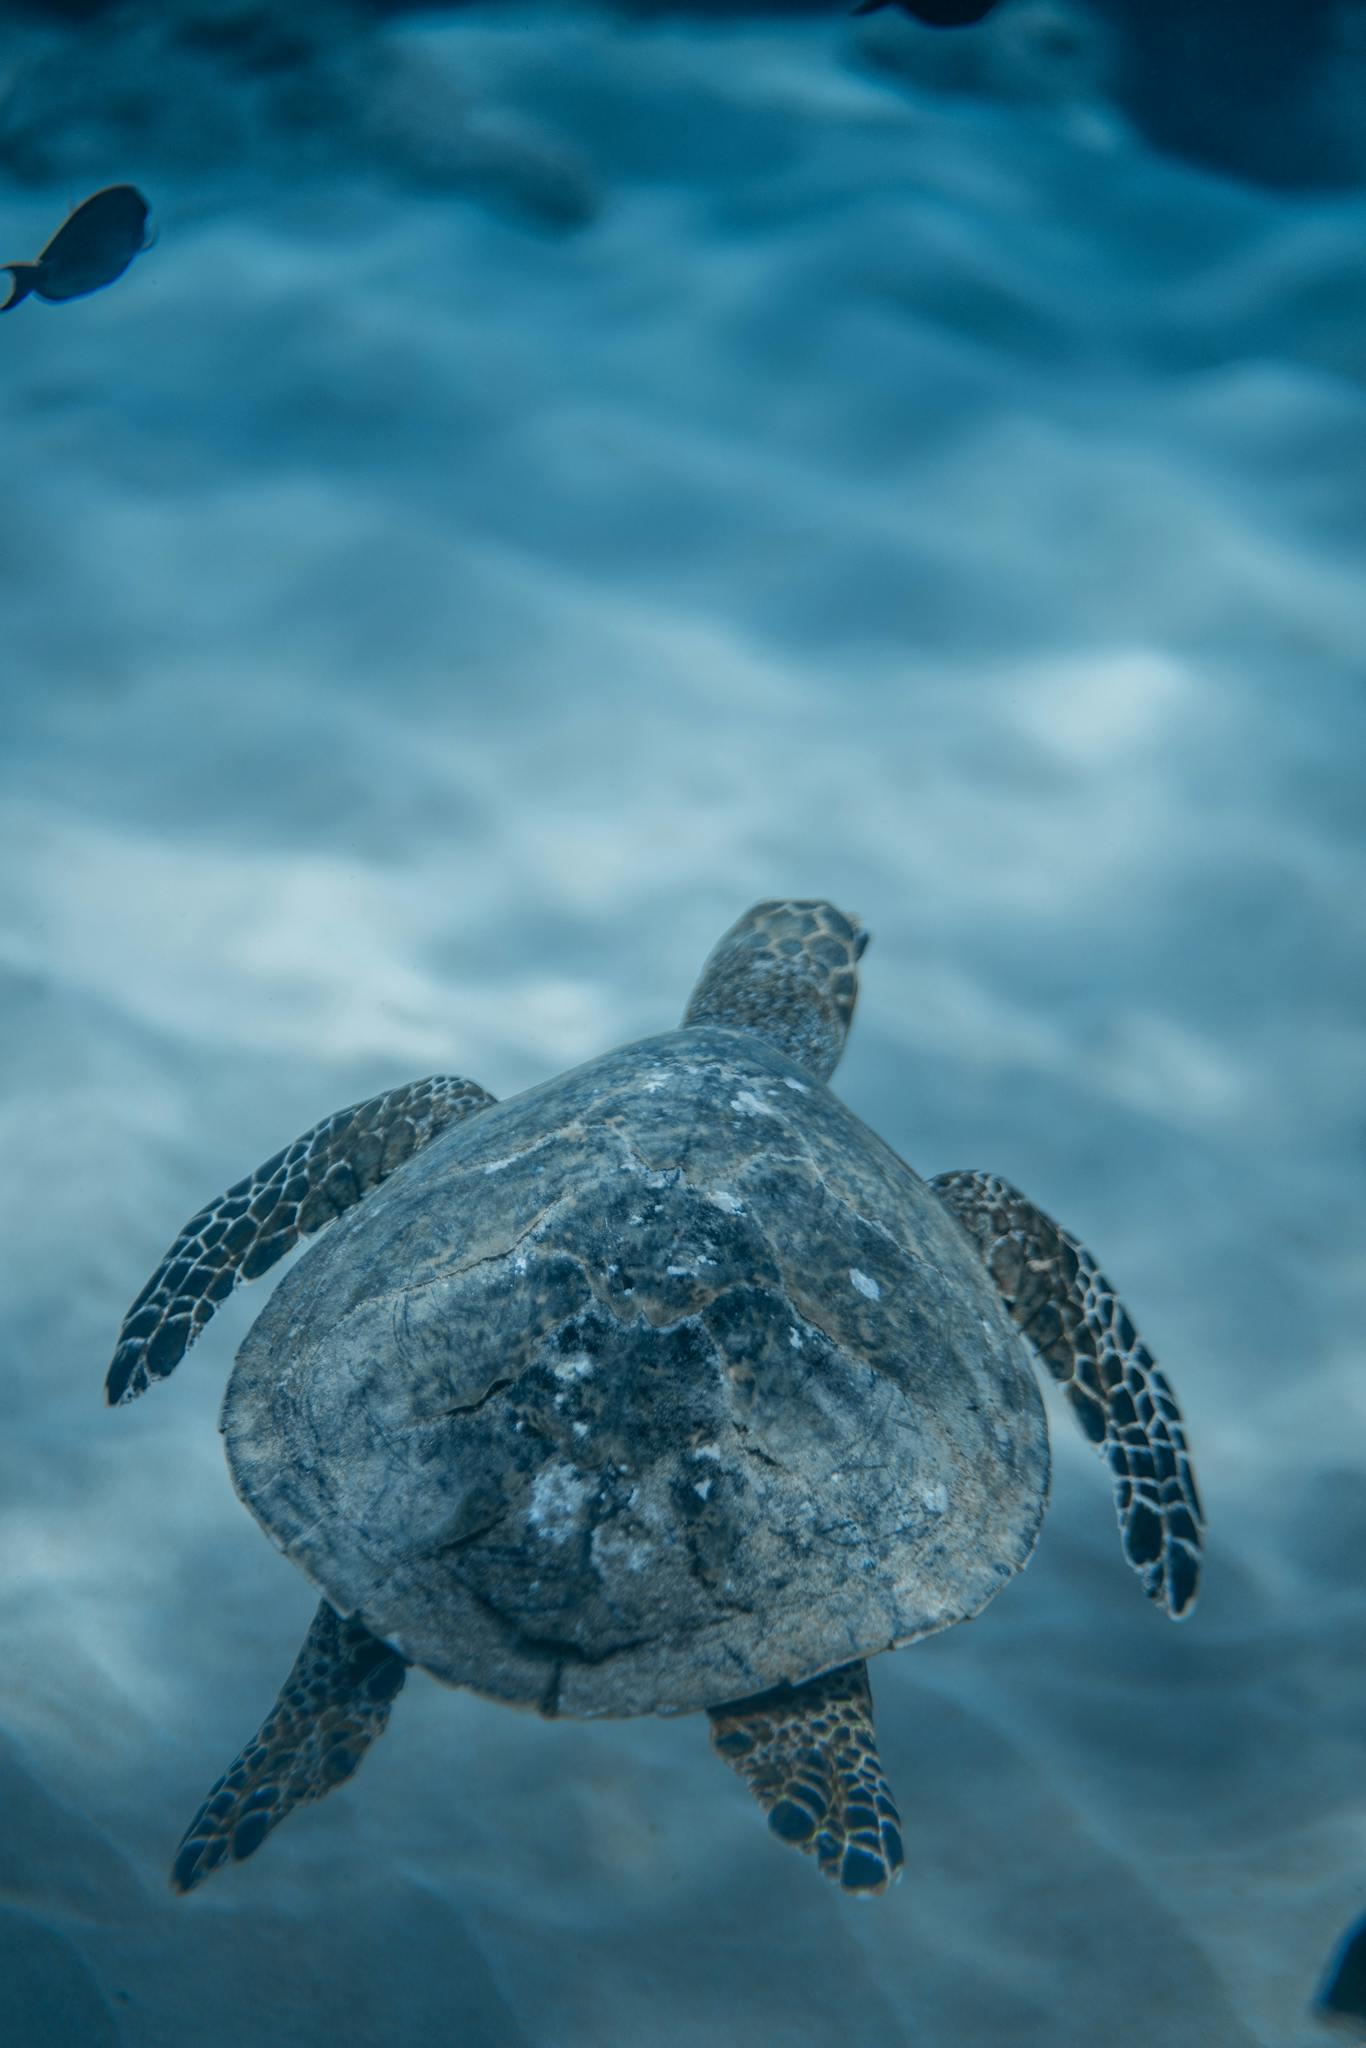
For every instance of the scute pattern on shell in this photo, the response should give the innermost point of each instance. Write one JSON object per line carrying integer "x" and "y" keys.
{"x": 585, "y": 1408}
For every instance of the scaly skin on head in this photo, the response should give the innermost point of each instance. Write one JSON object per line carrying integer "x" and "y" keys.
{"x": 788, "y": 971}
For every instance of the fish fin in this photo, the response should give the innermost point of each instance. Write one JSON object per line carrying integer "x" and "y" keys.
{"x": 25, "y": 276}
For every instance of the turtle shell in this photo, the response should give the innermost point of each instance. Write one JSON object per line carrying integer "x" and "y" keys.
{"x": 648, "y": 1389}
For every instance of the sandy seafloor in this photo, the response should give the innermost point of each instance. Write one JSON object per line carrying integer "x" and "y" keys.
{"x": 423, "y": 631}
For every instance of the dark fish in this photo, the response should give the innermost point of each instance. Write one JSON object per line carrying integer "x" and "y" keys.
{"x": 1342, "y": 1996}
{"x": 92, "y": 247}
{"x": 937, "y": 13}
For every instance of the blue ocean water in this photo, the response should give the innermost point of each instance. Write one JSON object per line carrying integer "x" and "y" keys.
{"x": 557, "y": 479}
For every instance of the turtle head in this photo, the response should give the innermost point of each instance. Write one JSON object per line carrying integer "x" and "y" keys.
{"x": 788, "y": 971}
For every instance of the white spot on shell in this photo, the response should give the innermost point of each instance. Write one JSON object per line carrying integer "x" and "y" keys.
{"x": 579, "y": 1367}
{"x": 747, "y": 1103}
{"x": 609, "y": 1550}
{"x": 702, "y": 1488}
{"x": 865, "y": 1285}
{"x": 794, "y": 1337}
{"x": 497, "y": 1165}
{"x": 935, "y": 1500}
{"x": 558, "y": 1492}
{"x": 722, "y": 1198}
{"x": 580, "y": 1428}
{"x": 708, "y": 1451}
{"x": 799, "y": 1087}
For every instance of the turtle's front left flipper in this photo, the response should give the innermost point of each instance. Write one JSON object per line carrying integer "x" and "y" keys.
{"x": 243, "y": 1233}
{"x": 809, "y": 1755}
{"x": 334, "y": 1703}
{"x": 1080, "y": 1328}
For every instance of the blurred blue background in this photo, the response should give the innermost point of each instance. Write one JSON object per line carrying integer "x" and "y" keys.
{"x": 559, "y": 477}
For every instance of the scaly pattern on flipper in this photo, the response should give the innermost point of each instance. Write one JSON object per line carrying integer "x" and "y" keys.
{"x": 1073, "y": 1317}
{"x": 334, "y": 1703}
{"x": 244, "y": 1233}
{"x": 809, "y": 1755}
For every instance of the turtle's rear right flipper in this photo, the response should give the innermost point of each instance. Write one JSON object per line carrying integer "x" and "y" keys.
{"x": 334, "y": 1703}
{"x": 809, "y": 1755}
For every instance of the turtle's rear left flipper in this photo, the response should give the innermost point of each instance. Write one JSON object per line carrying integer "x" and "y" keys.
{"x": 809, "y": 1755}
{"x": 243, "y": 1233}
{"x": 334, "y": 1703}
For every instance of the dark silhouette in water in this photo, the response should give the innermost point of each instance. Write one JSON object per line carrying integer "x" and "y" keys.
{"x": 936, "y": 13}
{"x": 1343, "y": 1993}
{"x": 92, "y": 247}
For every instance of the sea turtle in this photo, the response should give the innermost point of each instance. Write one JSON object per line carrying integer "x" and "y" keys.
{"x": 663, "y": 1386}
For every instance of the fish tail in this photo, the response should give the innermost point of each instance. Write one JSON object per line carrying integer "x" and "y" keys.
{"x": 25, "y": 276}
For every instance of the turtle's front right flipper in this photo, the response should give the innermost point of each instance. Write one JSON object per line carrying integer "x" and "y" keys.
{"x": 1081, "y": 1329}
{"x": 243, "y": 1233}
{"x": 334, "y": 1703}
